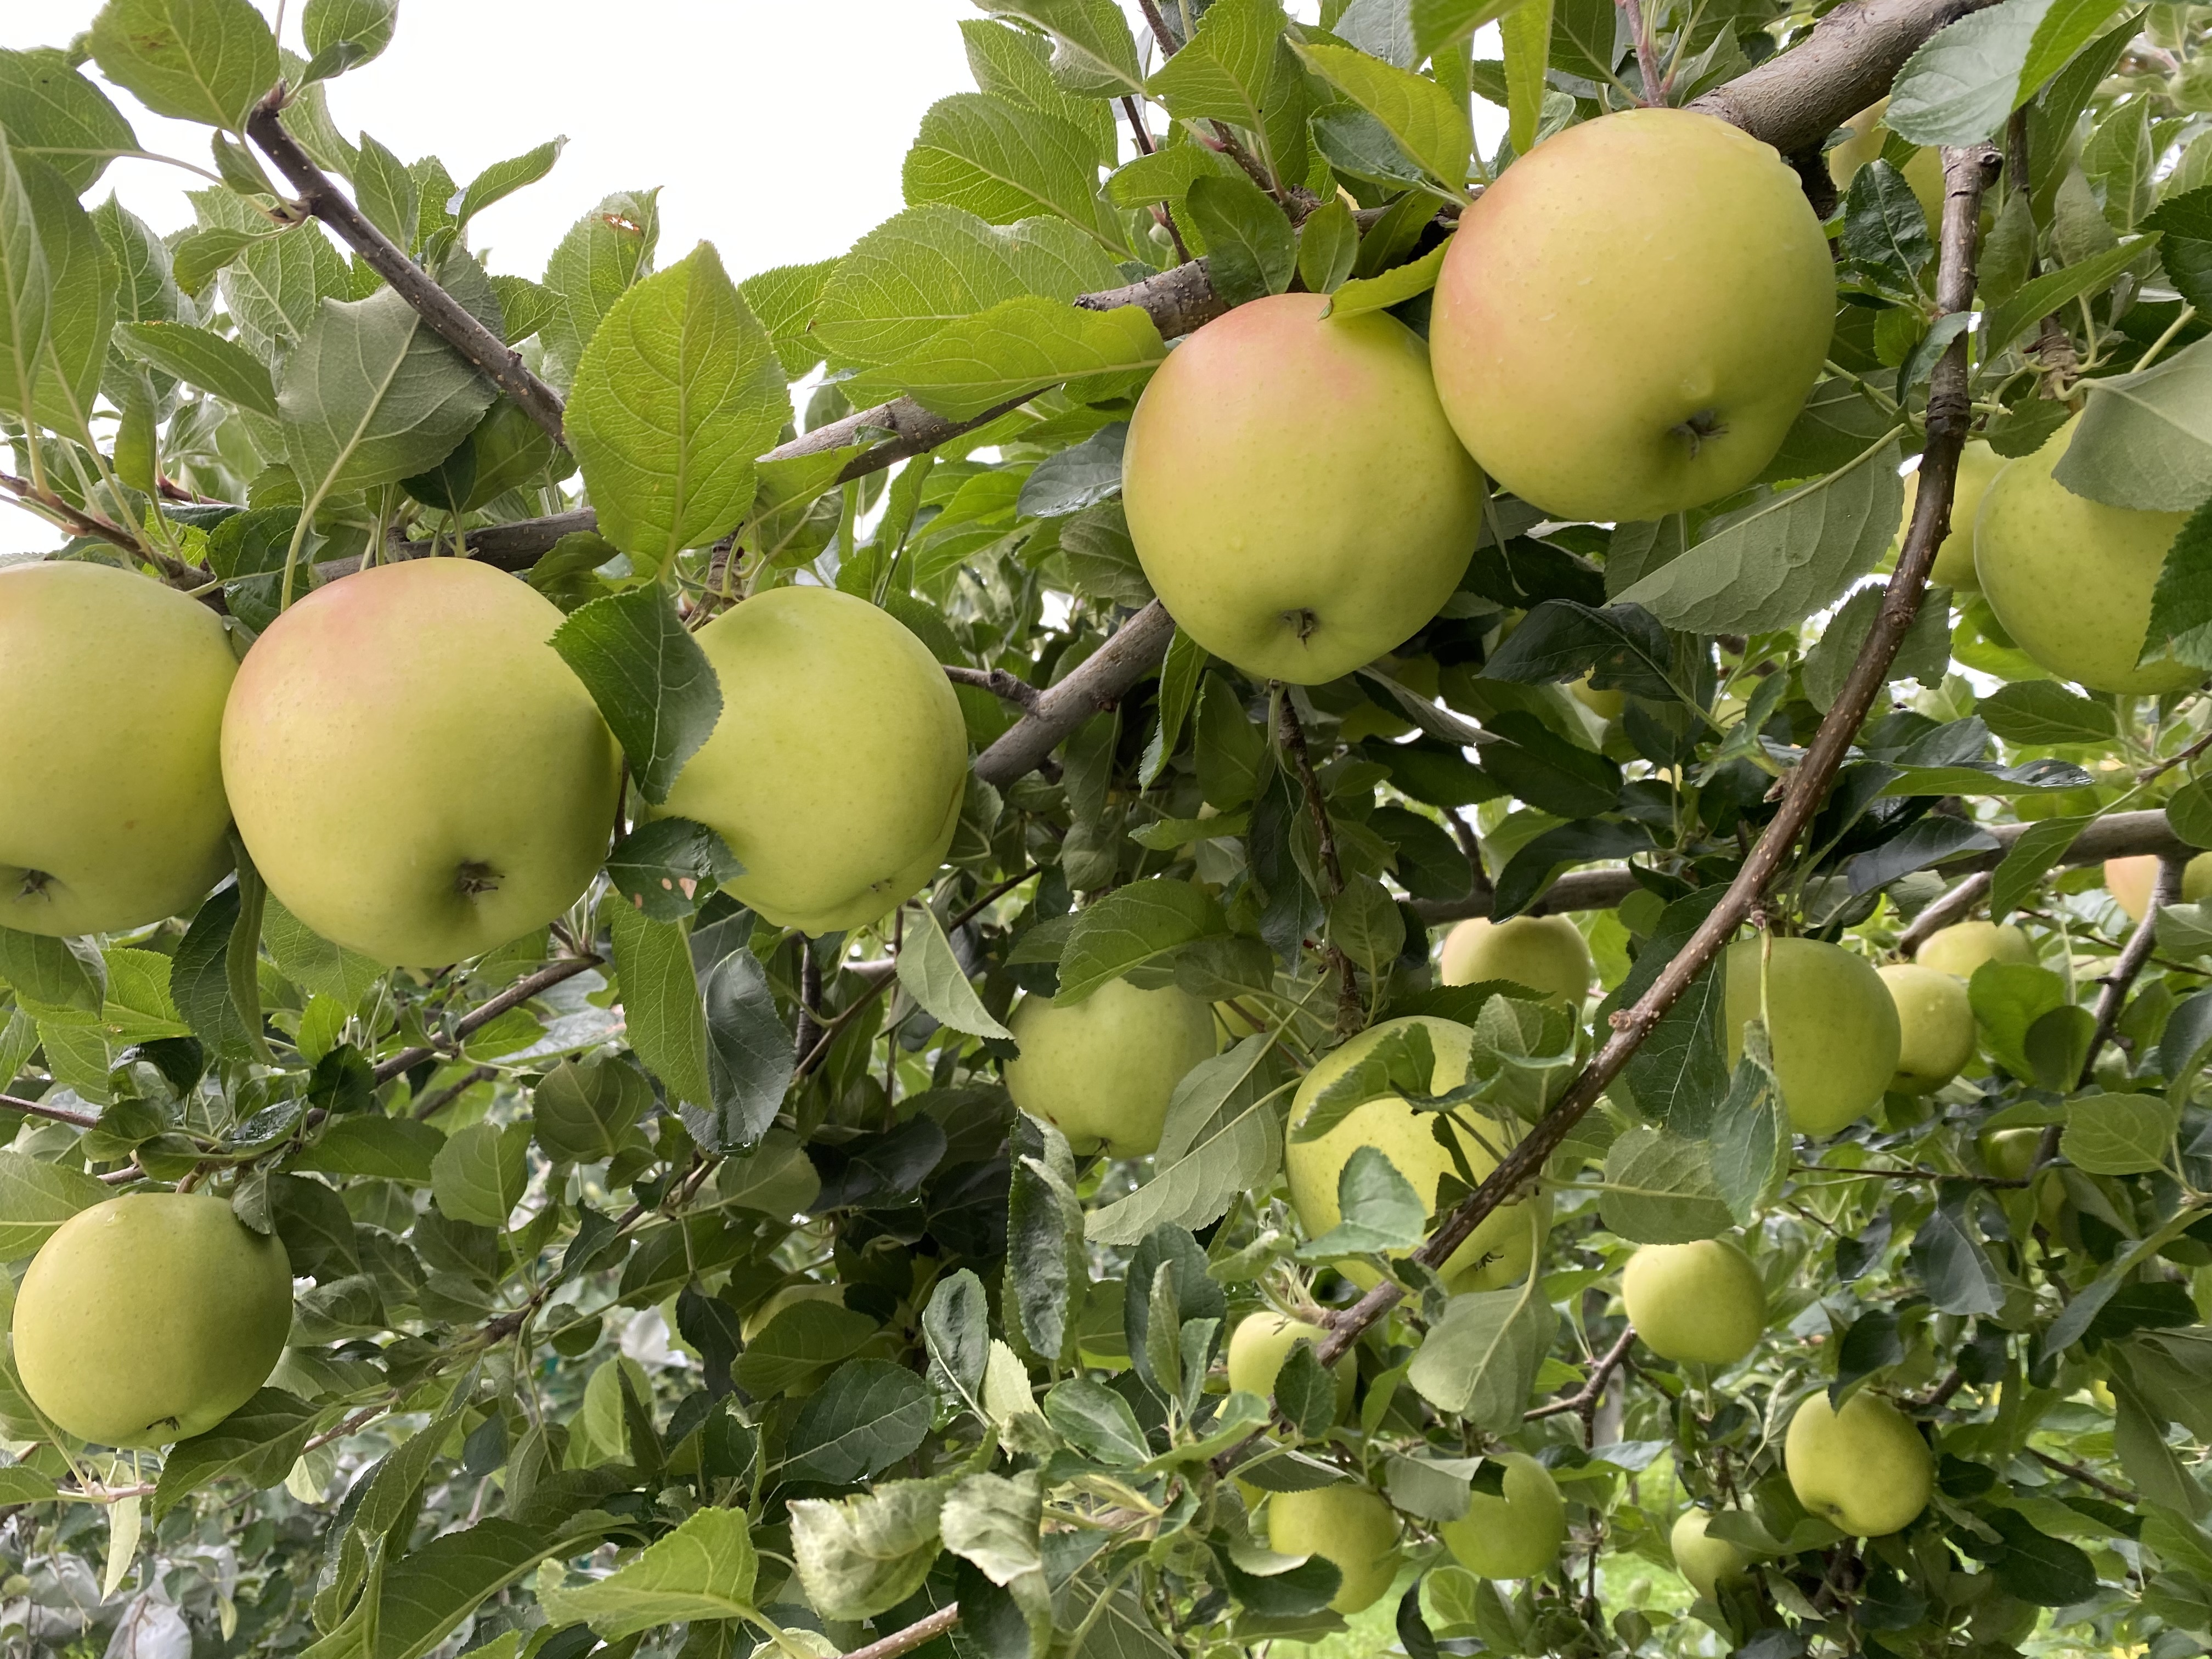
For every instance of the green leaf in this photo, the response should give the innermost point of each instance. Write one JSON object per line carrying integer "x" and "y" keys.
{"x": 603, "y": 253}
{"x": 1233, "y": 69}
{"x": 54, "y": 973}
{"x": 1003, "y": 163}
{"x": 1381, "y": 1210}
{"x": 26, "y": 289}
{"x": 866, "y": 1554}
{"x": 1094, "y": 54}
{"x": 199, "y": 357}
{"x": 503, "y": 178}
{"x": 385, "y": 1148}
{"x": 1044, "y": 1242}
{"x": 50, "y": 111}
{"x": 1019, "y": 347}
{"x": 371, "y": 396}
{"x": 2008, "y": 1000}
{"x": 1948, "y": 1259}
{"x": 932, "y": 265}
{"x": 207, "y": 61}
{"x": 480, "y": 1174}
{"x": 36, "y": 1198}
{"x": 1479, "y": 1360}
{"x": 1251, "y": 252}
{"x": 669, "y": 868}
{"x": 1223, "y": 1136}
{"x": 343, "y": 34}
{"x": 930, "y": 972}
{"x": 1525, "y": 32}
{"x": 1179, "y": 677}
{"x": 2046, "y": 713}
{"x": 1659, "y": 1190}
{"x": 2042, "y": 1571}
{"x": 425, "y": 1594}
{"x": 957, "y": 1329}
{"x": 784, "y": 300}
{"x": 800, "y": 1340}
{"x": 1394, "y": 286}
{"x": 1096, "y": 1421}
{"x": 1424, "y": 119}
{"x": 704, "y": 1570}
{"x": 2028, "y": 860}
{"x": 1130, "y": 927}
{"x": 995, "y": 1522}
{"x": 1961, "y": 83}
{"x": 1364, "y": 923}
{"x": 2054, "y": 289}
{"x": 1441, "y": 23}
{"x": 749, "y": 1061}
{"x": 1772, "y": 564}
{"x": 2117, "y": 1134}
{"x": 652, "y": 684}
{"x": 868, "y": 1415}
{"x": 584, "y": 1109}
{"x": 664, "y": 1019}
{"x": 258, "y": 1443}
{"x": 1748, "y": 1142}
{"x": 676, "y": 393}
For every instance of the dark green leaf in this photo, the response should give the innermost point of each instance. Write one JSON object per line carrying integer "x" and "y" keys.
{"x": 649, "y": 678}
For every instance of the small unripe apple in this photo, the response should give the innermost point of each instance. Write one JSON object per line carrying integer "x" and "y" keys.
{"x": 2130, "y": 881}
{"x": 1500, "y": 1250}
{"x": 1514, "y": 1535}
{"x": 1702, "y": 1558}
{"x": 2010, "y": 1153}
{"x": 1977, "y": 465}
{"x": 1965, "y": 945}
{"x": 1830, "y": 1019}
{"x": 111, "y": 810}
{"x": 1545, "y": 953}
{"x": 2071, "y": 579}
{"x": 1346, "y": 1525}
{"x": 1935, "y": 1026}
{"x": 1702, "y": 1303}
{"x": 150, "y": 1318}
{"x": 1295, "y": 493}
{"x": 836, "y": 771}
{"x": 1672, "y": 230}
{"x": 1262, "y": 1341}
{"x": 1102, "y": 1071}
{"x": 1865, "y": 1468}
{"x": 418, "y": 774}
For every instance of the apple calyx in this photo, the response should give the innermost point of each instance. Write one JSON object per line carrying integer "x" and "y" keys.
{"x": 472, "y": 877}
{"x": 1705, "y": 423}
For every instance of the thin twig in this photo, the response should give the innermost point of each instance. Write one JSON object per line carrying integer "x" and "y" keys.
{"x": 52, "y": 1114}
{"x": 1584, "y": 1401}
{"x": 513, "y": 997}
{"x": 809, "y": 1002}
{"x": 905, "y": 1641}
{"x": 999, "y": 683}
{"x": 1293, "y": 736}
{"x": 2117, "y": 1494}
{"x": 451, "y": 321}
{"x": 1950, "y": 410}
{"x": 1954, "y": 906}
{"x": 2166, "y": 890}
{"x": 437, "y": 1102}
{"x": 1647, "y": 52}
{"x": 1904, "y": 1174}
{"x": 2151, "y": 773}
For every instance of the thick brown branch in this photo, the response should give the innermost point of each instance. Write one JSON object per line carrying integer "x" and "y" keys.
{"x": 1967, "y": 173}
{"x": 319, "y": 196}
{"x": 476, "y": 1018}
{"x": 514, "y": 546}
{"x": 1954, "y": 906}
{"x": 1136, "y": 649}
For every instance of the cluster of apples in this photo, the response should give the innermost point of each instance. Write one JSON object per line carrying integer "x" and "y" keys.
{"x": 419, "y": 776}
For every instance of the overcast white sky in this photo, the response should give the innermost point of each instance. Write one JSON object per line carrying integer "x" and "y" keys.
{"x": 776, "y": 128}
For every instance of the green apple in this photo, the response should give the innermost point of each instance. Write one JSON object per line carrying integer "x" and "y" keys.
{"x": 150, "y": 1318}
{"x": 1830, "y": 1018}
{"x": 1701, "y": 1304}
{"x": 2071, "y": 579}
{"x": 1262, "y": 1341}
{"x": 1500, "y": 1250}
{"x": 1965, "y": 945}
{"x": 2009, "y": 1154}
{"x": 837, "y": 769}
{"x": 1865, "y": 1468}
{"x": 1630, "y": 318}
{"x": 1606, "y": 705}
{"x": 418, "y": 775}
{"x": 112, "y": 811}
{"x": 1295, "y": 494}
{"x": 1102, "y": 1071}
{"x": 2130, "y": 881}
{"x": 1516, "y": 1535}
{"x": 1954, "y": 555}
{"x": 1545, "y": 953}
{"x": 1702, "y": 1558}
{"x": 1346, "y": 1525}
{"x": 1924, "y": 173}
{"x": 1935, "y": 1026}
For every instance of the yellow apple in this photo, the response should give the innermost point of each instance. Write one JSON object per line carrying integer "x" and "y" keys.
{"x": 1102, "y": 1071}
{"x": 837, "y": 769}
{"x": 1629, "y": 319}
{"x": 2130, "y": 881}
{"x": 1262, "y": 1341}
{"x": 1954, "y": 554}
{"x": 1606, "y": 705}
{"x": 2071, "y": 579}
{"x": 1545, "y": 953}
{"x": 1295, "y": 497}
{"x": 150, "y": 1318}
{"x": 1346, "y": 1525}
{"x": 1516, "y": 1536}
{"x": 1965, "y": 945}
{"x": 1864, "y": 1469}
{"x": 1935, "y": 1026}
{"x": 111, "y": 812}
{"x": 1923, "y": 173}
{"x": 1701, "y": 1304}
{"x": 416, "y": 773}
{"x": 1702, "y": 1558}
{"x": 1833, "y": 1025}
{"x": 1500, "y": 1250}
